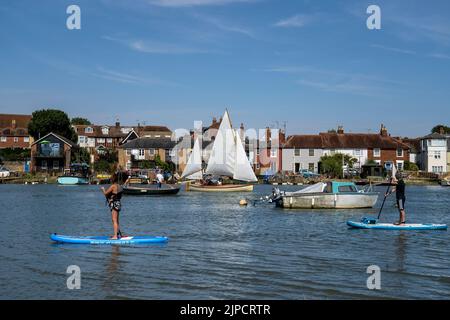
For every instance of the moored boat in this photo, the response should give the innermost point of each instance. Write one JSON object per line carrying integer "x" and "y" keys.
{"x": 78, "y": 174}
{"x": 227, "y": 158}
{"x": 329, "y": 195}
{"x": 445, "y": 182}
{"x": 72, "y": 180}
{"x": 151, "y": 190}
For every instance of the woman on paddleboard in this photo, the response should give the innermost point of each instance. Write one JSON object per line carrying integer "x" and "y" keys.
{"x": 113, "y": 196}
{"x": 399, "y": 189}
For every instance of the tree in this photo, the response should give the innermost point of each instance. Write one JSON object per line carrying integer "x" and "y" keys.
{"x": 437, "y": 129}
{"x": 411, "y": 166}
{"x": 333, "y": 165}
{"x": 80, "y": 121}
{"x": 50, "y": 120}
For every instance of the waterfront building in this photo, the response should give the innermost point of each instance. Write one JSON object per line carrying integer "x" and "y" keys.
{"x": 51, "y": 154}
{"x": 14, "y": 131}
{"x": 134, "y": 154}
{"x": 305, "y": 151}
{"x": 433, "y": 155}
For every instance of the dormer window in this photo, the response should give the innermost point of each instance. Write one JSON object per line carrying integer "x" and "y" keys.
{"x": 105, "y": 130}
{"x": 89, "y": 130}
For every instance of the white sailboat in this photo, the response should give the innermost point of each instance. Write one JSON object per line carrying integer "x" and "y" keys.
{"x": 227, "y": 158}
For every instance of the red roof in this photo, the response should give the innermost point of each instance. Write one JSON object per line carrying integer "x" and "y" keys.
{"x": 344, "y": 141}
{"x": 14, "y": 124}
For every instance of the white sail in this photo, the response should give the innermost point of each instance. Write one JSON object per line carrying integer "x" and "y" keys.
{"x": 193, "y": 169}
{"x": 242, "y": 170}
{"x": 222, "y": 159}
{"x": 228, "y": 156}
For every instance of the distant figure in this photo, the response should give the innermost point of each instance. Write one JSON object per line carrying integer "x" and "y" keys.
{"x": 160, "y": 179}
{"x": 113, "y": 196}
{"x": 399, "y": 190}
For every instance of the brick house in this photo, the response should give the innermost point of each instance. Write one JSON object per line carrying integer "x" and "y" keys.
{"x": 51, "y": 154}
{"x": 136, "y": 151}
{"x": 265, "y": 153}
{"x": 305, "y": 151}
{"x": 99, "y": 138}
{"x": 14, "y": 131}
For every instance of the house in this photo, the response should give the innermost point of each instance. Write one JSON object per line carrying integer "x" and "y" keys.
{"x": 414, "y": 149}
{"x": 265, "y": 153}
{"x": 51, "y": 154}
{"x": 433, "y": 153}
{"x": 305, "y": 151}
{"x": 133, "y": 154}
{"x": 14, "y": 131}
{"x": 97, "y": 139}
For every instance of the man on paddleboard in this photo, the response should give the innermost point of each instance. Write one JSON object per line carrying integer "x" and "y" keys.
{"x": 399, "y": 189}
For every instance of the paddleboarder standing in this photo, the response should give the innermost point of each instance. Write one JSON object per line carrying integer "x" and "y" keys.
{"x": 113, "y": 196}
{"x": 399, "y": 189}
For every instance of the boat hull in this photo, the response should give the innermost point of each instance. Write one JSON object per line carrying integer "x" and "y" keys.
{"x": 221, "y": 188}
{"x": 328, "y": 201}
{"x": 445, "y": 183}
{"x": 151, "y": 191}
{"x": 70, "y": 181}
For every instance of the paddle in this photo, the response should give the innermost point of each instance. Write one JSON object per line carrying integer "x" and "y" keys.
{"x": 384, "y": 200}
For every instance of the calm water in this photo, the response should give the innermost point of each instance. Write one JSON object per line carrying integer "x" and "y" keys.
{"x": 217, "y": 250}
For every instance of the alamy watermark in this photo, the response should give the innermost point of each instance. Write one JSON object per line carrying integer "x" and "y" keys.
{"x": 74, "y": 280}
{"x": 374, "y": 20}
{"x": 374, "y": 280}
{"x": 73, "y": 22}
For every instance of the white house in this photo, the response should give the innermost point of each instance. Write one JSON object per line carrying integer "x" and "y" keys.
{"x": 433, "y": 155}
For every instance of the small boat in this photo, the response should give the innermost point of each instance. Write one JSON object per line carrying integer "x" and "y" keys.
{"x": 151, "y": 190}
{"x": 227, "y": 158}
{"x": 78, "y": 174}
{"x": 445, "y": 182}
{"x": 329, "y": 195}
{"x": 72, "y": 180}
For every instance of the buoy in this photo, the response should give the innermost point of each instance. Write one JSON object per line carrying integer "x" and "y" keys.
{"x": 243, "y": 202}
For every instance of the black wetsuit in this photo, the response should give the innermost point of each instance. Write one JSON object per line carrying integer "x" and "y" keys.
{"x": 400, "y": 194}
{"x": 114, "y": 200}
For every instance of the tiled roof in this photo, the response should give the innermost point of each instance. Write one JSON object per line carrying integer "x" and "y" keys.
{"x": 149, "y": 143}
{"x": 21, "y": 124}
{"x": 343, "y": 141}
{"x": 63, "y": 139}
{"x": 435, "y": 135}
{"x": 116, "y": 131}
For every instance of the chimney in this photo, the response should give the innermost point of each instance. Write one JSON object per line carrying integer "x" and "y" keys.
{"x": 117, "y": 123}
{"x": 214, "y": 121}
{"x": 13, "y": 123}
{"x": 340, "y": 130}
{"x": 242, "y": 132}
{"x": 383, "y": 131}
{"x": 268, "y": 134}
{"x": 441, "y": 130}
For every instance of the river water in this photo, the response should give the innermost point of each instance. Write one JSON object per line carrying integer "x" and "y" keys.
{"x": 217, "y": 249}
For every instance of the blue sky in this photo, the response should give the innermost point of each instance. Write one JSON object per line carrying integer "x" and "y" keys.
{"x": 311, "y": 64}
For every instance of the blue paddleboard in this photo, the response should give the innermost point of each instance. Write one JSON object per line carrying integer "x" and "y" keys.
{"x": 391, "y": 226}
{"x": 106, "y": 240}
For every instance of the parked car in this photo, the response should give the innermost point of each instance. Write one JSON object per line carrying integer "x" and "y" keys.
{"x": 4, "y": 173}
{"x": 308, "y": 174}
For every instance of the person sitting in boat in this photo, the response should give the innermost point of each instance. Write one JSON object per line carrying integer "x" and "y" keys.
{"x": 399, "y": 189}
{"x": 160, "y": 179}
{"x": 113, "y": 196}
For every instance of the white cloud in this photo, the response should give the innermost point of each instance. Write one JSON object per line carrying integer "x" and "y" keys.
{"x": 392, "y": 49}
{"x": 439, "y": 56}
{"x": 297, "y": 21}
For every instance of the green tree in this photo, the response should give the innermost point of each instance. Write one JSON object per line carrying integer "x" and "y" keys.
{"x": 50, "y": 120}
{"x": 437, "y": 129}
{"x": 80, "y": 121}
{"x": 14, "y": 154}
{"x": 81, "y": 155}
{"x": 332, "y": 165}
{"x": 411, "y": 166}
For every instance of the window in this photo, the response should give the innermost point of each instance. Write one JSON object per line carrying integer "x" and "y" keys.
{"x": 437, "y": 154}
{"x": 157, "y": 136}
{"x": 399, "y": 152}
{"x": 89, "y": 130}
{"x": 3, "y": 139}
{"x": 168, "y": 136}
{"x": 109, "y": 140}
{"x": 55, "y": 164}
{"x": 141, "y": 152}
{"x": 91, "y": 141}
{"x": 100, "y": 140}
{"x": 437, "y": 169}
{"x": 297, "y": 152}
{"x": 311, "y": 167}
{"x": 82, "y": 139}
{"x": 400, "y": 166}
{"x": 311, "y": 152}
{"x": 377, "y": 152}
{"x": 151, "y": 152}
{"x": 44, "y": 164}
{"x": 347, "y": 189}
{"x": 16, "y": 139}
{"x": 358, "y": 152}
{"x": 105, "y": 130}
{"x": 273, "y": 153}
{"x": 26, "y": 139}
{"x": 258, "y": 166}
